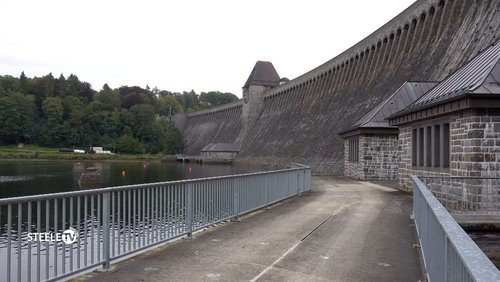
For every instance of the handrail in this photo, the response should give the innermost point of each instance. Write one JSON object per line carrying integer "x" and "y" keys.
{"x": 37, "y": 233}
{"x": 12, "y": 200}
{"x": 449, "y": 253}
{"x": 461, "y": 177}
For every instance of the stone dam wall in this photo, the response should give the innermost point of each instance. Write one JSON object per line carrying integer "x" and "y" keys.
{"x": 220, "y": 124}
{"x": 301, "y": 119}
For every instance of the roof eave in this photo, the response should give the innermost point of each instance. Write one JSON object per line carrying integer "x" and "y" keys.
{"x": 457, "y": 103}
{"x": 389, "y": 130}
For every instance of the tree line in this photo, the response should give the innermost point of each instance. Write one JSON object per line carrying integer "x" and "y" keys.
{"x": 67, "y": 112}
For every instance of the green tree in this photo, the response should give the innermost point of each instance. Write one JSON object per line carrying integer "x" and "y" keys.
{"x": 168, "y": 105}
{"x": 144, "y": 118}
{"x": 130, "y": 145}
{"x": 9, "y": 117}
{"x": 110, "y": 99}
{"x": 190, "y": 100}
{"x": 216, "y": 98}
{"x": 16, "y": 118}
{"x": 9, "y": 84}
{"x": 75, "y": 131}
{"x": 172, "y": 142}
{"x": 24, "y": 84}
{"x": 68, "y": 112}
{"x": 135, "y": 95}
{"x": 53, "y": 129}
{"x": 77, "y": 88}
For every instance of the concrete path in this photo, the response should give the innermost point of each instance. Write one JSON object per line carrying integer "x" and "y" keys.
{"x": 342, "y": 231}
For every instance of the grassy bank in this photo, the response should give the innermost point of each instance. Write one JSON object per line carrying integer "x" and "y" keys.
{"x": 33, "y": 152}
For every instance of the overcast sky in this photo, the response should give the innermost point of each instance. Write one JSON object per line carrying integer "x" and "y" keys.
{"x": 184, "y": 44}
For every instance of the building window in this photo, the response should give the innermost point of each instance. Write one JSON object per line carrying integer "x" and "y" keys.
{"x": 420, "y": 147}
{"x": 413, "y": 147}
{"x": 445, "y": 145}
{"x": 354, "y": 150}
{"x": 436, "y": 147}
{"x": 431, "y": 146}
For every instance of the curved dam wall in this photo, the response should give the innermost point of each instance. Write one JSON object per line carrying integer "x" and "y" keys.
{"x": 301, "y": 119}
{"x": 220, "y": 124}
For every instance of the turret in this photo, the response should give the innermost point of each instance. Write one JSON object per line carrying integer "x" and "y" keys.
{"x": 262, "y": 78}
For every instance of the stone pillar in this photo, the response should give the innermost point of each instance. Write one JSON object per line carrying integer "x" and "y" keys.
{"x": 253, "y": 102}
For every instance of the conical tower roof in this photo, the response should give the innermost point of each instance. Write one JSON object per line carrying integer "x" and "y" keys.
{"x": 263, "y": 74}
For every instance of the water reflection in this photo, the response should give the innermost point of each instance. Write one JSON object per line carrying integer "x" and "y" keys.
{"x": 91, "y": 178}
{"x": 26, "y": 177}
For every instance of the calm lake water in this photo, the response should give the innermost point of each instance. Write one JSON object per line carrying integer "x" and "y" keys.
{"x": 22, "y": 178}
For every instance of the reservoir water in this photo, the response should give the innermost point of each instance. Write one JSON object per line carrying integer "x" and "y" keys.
{"x": 31, "y": 177}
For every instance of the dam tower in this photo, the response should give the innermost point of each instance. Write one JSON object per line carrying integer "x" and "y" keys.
{"x": 262, "y": 78}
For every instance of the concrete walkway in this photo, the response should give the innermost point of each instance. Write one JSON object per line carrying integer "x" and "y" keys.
{"x": 342, "y": 231}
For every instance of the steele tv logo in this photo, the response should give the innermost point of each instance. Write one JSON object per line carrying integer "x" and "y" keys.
{"x": 68, "y": 236}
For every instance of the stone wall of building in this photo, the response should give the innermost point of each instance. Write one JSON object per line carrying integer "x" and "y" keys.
{"x": 378, "y": 158}
{"x": 475, "y": 143}
{"x": 474, "y": 151}
{"x": 352, "y": 170}
{"x": 405, "y": 168}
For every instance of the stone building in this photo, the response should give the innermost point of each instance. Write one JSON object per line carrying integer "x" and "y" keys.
{"x": 220, "y": 152}
{"x": 371, "y": 148}
{"x": 454, "y": 129}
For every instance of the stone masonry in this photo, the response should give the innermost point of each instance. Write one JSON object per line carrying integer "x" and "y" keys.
{"x": 253, "y": 100}
{"x": 475, "y": 147}
{"x": 378, "y": 158}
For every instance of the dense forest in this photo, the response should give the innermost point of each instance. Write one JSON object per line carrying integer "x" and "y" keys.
{"x": 67, "y": 112}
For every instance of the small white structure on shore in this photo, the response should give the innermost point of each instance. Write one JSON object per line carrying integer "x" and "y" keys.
{"x": 99, "y": 150}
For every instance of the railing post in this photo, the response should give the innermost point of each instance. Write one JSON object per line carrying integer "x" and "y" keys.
{"x": 190, "y": 209}
{"x": 106, "y": 246}
{"x": 298, "y": 182}
{"x": 289, "y": 183}
{"x": 266, "y": 192}
{"x": 236, "y": 200}
{"x": 445, "y": 257}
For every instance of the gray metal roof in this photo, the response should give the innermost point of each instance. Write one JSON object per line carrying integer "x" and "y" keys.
{"x": 264, "y": 74}
{"x": 481, "y": 75}
{"x": 221, "y": 147}
{"x": 400, "y": 99}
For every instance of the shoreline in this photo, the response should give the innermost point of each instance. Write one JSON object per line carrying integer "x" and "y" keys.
{"x": 49, "y": 155}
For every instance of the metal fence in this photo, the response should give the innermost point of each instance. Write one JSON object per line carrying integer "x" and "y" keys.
{"x": 37, "y": 232}
{"x": 449, "y": 253}
{"x": 471, "y": 196}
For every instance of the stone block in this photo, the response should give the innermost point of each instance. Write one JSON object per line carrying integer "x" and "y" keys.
{"x": 489, "y": 157}
{"x": 485, "y": 142}
{"x": 475, "y": 173}
{"x": 478, "y": 125}
{"x": 477, "y": 166}
{"x": 475, "y": 133}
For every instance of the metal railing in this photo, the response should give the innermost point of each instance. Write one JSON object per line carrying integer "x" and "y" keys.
{"x": 116, "y": 222}
{"x": 449, "y": 253}
{"x": 470, "y": 196}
